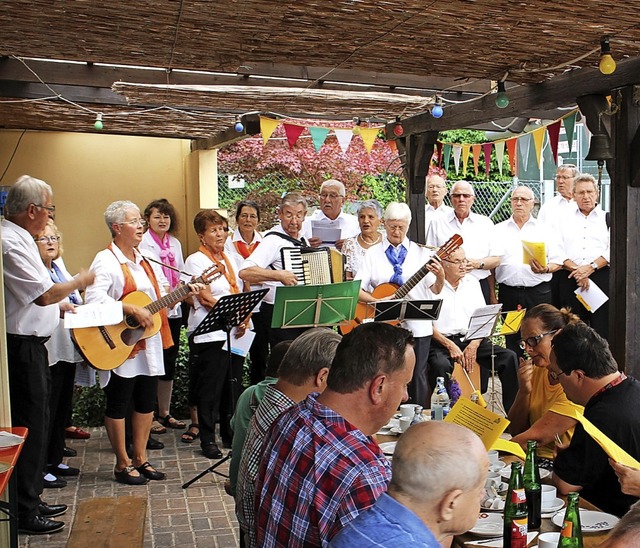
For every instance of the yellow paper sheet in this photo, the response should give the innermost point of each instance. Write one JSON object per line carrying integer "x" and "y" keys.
{"x": 483, "y": 422}
{"x": 512, "y": 321}
{"x": 610, "y": 447}
{"x": 534, "y": 250}
{"x": 509, "y": 447}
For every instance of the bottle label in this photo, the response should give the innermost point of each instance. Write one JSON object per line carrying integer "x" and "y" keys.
{"x": 519, "y": 533}
{"x": 518, "y": 496}
{"x": 567, "y": 529}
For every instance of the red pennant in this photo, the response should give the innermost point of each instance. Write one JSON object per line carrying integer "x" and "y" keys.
{"x": 486, "y": 147}
{"x": 476, "y": 157}
{"x": 393, "y": 146}
{"x": 293, "y": 133}
{"x": 512, "y": 145}
{"x": 439, "y": 152}
{"x": 554, "y": 135}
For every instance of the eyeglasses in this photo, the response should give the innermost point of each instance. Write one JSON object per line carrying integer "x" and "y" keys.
{"x": 135, "y": 222}
{"x": 331, "y": 195}
{"x": 248, "y": 216}
{"x": 290, "y": 216}
{"x": 556, "y": 376}
{"x": 462, "y": 195}
{"x": 457, "y": 262}
{"x": 564, "y": 177}
{"x": 520, "y": 199}
{"x": 397, "y": 228}
{"x": 52, "y": 208}
{"x": 46, "y": 239}
{"x": 532, "y": 342}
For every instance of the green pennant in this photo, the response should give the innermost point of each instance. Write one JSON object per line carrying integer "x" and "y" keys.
{"x": 569, "y": 126}
{"x": 446, "y": 152}
{"x": 318, "y": 136}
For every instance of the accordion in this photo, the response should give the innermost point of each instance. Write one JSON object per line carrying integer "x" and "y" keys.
{"x": 314, "y": 265}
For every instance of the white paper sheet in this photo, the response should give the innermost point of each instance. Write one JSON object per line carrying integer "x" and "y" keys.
{"x": 329, "y": 235}
{"x": 240, "y": 347}
{"x": 482, "y": 321}
{"x": 95, "y": 314}
{"x": 592, "y": 298}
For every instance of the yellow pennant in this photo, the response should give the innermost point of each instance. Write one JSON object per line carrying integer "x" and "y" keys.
{"x": 465, "y": 158}
{"x": 369, "y": 135}
{"x": 267, "y": 127}
{"x": 538, "y": 140}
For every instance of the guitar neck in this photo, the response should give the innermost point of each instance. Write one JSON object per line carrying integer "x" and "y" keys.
{"x": 403, "y": 290}
{"x": 168, "y": 300}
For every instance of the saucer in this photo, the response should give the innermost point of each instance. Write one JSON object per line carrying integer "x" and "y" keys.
{"x": 557, "y": 504}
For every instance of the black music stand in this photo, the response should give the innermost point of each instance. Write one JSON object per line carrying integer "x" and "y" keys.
{"x": 385, "y": 311}
{"x": 229, "y": 312}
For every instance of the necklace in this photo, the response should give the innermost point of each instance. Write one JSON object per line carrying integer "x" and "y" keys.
{"x": 369, "y": 244}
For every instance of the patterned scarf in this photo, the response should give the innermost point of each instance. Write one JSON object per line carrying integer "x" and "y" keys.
{"x": 167, "y": 256}
{"x": 225, "y": 268}
{"x": 396, "y": 256}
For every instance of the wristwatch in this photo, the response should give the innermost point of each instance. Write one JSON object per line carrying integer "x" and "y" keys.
{"x": 482, "y": 265}
{"x": 593, "y": 265}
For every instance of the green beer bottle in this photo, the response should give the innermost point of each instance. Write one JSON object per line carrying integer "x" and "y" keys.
{"x": 532, "y": 486}
{"x": 515, "y": 511}
{"x": 571, "y": 534}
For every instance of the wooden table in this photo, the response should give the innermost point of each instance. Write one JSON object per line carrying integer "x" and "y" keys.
{"x": 9, "y": 456}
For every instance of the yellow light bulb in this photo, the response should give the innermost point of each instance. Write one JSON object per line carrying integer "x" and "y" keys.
{"x": 607, "y": 64}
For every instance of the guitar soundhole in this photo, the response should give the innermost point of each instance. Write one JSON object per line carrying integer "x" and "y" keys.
{"x": 131, "y": 322}
{"x": 132, "y": 336}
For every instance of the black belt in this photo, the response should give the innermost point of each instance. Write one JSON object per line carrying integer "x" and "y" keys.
{"x": 32, "y": 338}
{"x": 521, "y": 287}
{"x": 456, "y": 336}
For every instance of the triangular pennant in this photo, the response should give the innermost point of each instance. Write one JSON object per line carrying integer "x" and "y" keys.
{"x": 439, "y": 152}
{"x": 393, "y": 145}
{"x": 293, "y": 133}
{"x": 476, "y": 149}
{"x": 267, "y": 127}
{"x": 486, "y": 147}
{"x": 569, "y": 127}
{"x": 499, "y": 154}
{"x": 512, "y": 149}
{"x": 554, "y": 136}
{"x": 457, "y": 151}
{"x": 344, "y": 137}
{"x": 318, "y": 136}
{"x": 446, "y": 152}
{"x": 368, "y": 135}
{"x": 538, "y": 141}
{"x": 465, "y": 158}
{"x": 524, "y": 145}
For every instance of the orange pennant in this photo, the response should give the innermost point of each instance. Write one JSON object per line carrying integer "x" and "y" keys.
{"x": 476, "y": 157}
{"x": 512, "y": 145}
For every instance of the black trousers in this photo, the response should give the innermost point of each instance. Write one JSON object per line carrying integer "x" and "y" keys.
{"x": 419, "y": 387}
{"x": 513, "y": 298}
{"x": 277, "y": 335}
{"x": 62, "y": 376}
{"x": 209, "y": 378}
{"x": 506, "y": 365}
{"x": 29, "y": 391}
{"x": 170, "y": 355}
{"x": 259, "y": 352}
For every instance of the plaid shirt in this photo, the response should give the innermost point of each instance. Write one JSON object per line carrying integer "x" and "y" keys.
{"x": 272, "y": 405}
{"x": 317, "y": 473}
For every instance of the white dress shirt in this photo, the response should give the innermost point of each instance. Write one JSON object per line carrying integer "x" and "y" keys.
{"x": 376, "y": 269}
{"x": 477, "y": 233}
{"x": 458, "y": 305}
{"x": 512, "y": 271}
{"x": 230, "y": 247}
{"x": 555, "y": 210}
{"x": 431, "y": 213}
{"x": 585, "y": 238}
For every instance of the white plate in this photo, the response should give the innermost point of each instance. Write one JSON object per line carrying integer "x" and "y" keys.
{"x": 506, "y": 473}
{"x": 498, "y": 467}
{"x": 388, "y": 447}
{"x": 486, "y": 509}
{"x": 591, "y": 521}
{"x": 488, "y": 525}
{"x": 7, "y": 439}
{"x": 557, "y": 504}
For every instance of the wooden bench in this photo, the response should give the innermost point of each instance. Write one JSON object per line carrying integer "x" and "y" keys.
{"x": 109, "y": 523}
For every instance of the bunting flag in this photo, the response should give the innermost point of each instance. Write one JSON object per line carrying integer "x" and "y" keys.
{"x": 538, "y": 142}
{"x": 318, "y": 136}
{"x": 446, "y": 151}
{"x": 476, "y": 157}
{"x": 524, "y": 146}
{"x": 569, "y": 127}
{"x": 457, "y": 151}
{"x": 344, "y": 137}
{"x": 368, "y": 135}
{"x": 465, "y": 158}
{"x": 439, "y": 152}
{"x": 512, "y": 149}
{"x": 487, "y": 157}
{"x": 293, "y": 133}
{"x": 267, "y": 127}
{"x": 554, "y": 136}
{"x": 500, "y": 154}
{"x": 393, "y": 146}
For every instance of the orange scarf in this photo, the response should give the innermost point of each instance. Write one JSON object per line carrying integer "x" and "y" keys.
{"x": 225, "y": 268}
{"x": 244, "y": 249}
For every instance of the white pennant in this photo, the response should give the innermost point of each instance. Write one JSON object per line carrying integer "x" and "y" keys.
{"x": 499, "y": 146}
{"x": 457, "y": 152}
{"x": 344, "y": 137}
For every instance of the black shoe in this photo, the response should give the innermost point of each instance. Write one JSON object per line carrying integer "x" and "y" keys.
{"x": 54, "y": 484}
{"x": 148, "y": 472}
{"x": 153, "y": 443}
{"x": 211, "y": 451}
{"x": 124, "y": 476}
{"x": 39, "y": 525}
{"x": 69, "y": 452}
{"x": 68, "y": 471}
{"x": 51, "y": 510}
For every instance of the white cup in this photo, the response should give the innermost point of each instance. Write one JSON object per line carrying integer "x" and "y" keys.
{"x": 549, "y": 494}
{"x": 408, "y": 410}
{"x": 494, "y": 457}
{"x": 493, "y": 479}
{"x": 548, "y": 540}
{"x": 405, "y": 422}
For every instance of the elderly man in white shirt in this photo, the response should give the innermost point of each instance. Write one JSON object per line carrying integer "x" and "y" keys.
{"x": 524, "y": 285}
{"x": 435, "y": 193}
{"x": 395, "y": 260}
{"x": 330, "y": 215}
{"x": 585, "y": 245}
{"x": 477, "y": 233}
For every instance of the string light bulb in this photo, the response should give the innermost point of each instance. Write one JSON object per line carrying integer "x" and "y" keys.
{"x": 356, "y": 128}
{"x": 239, "y": 126}
{"x": 98, "y": 123}
{"x": 436, "y": 110}
{"x": 502, "y": 100}
{"x": 607, "y": 63}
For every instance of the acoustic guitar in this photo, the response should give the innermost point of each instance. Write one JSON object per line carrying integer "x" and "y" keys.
{"x": 364, "y": 311}
{"x": 108, "y": 346}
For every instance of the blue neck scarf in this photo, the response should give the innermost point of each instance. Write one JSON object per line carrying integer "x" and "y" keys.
{"x": 58, "y": 277}
{"x": 396, "y": 256}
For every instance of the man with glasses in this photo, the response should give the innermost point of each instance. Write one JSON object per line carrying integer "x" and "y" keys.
{"x": 434, "y": 206}
{"x": 524, "y": 285}
{"x": 330, "y": 216}
{"x": 477, "y": 231}
{"x": 582, "y": 363}
{"x": 461, "y": 296}
{"x": 32, "y": 314}
{"x": 554, "y": 210}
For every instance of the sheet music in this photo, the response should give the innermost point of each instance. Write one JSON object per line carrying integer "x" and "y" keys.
{"x": 328, "y": 234}
{"x": 482, "y": 321}
{"x": 94, "y": 315}
{"x": 241, "y": 346}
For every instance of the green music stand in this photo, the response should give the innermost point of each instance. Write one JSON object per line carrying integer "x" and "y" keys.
{"x": 315, "y": 305}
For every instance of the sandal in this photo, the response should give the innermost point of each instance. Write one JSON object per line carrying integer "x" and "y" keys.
{"x": 158, "y": 428}
{"x": 190, "y": 436}
{"x": 171, "y": 422}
